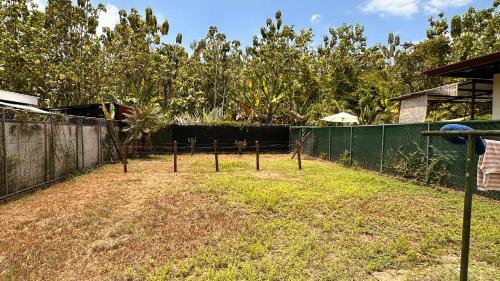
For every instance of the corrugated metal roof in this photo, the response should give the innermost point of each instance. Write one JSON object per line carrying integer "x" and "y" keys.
{"x": 7, "y": 96}
{"x": 480, "y": 67}
{"x": 23, "y": 107}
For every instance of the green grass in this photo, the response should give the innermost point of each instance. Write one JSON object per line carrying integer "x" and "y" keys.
{"x": 327, "y": 222}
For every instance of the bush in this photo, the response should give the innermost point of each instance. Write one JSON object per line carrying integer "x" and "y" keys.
{"x": 345, "y": 160}
{"x": 413, "y": 165}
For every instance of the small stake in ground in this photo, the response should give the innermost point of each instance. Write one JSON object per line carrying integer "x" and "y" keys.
{"x": 175, "y": 156}
{"x": 299, "y": 161}
{"x": 125, "y": 152}
{"x": 216, "y": 156}
{"x": 257, "y": 155}
{"x": 192, "y": 141}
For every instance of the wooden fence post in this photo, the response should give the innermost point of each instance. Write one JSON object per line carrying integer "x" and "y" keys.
{"x": 216, "y": 156}
{"x": 257, "y": 155}
{"x": 191, "y": 140}
{"x": 125, "y": 162}
{"x": 299, "y": 161}
{"x": 175, "y": 156}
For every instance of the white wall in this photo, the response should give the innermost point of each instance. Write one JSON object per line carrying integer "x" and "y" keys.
{"x": 413, "y": 110}
{"x": 38, "y": 151}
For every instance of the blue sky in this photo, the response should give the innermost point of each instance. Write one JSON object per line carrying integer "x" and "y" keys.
{"x": 242, "y": 19}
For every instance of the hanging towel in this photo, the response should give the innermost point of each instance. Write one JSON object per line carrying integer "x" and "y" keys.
{"x": 488, "y": 167}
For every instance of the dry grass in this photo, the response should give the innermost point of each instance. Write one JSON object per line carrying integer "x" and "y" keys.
{"x": 325, "y": 222}
{"x": 106, "y": 224}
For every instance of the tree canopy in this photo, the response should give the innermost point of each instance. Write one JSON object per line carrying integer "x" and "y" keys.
{"x": 61, "y": 57}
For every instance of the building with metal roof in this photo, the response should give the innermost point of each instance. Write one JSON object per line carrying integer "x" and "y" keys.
{"x": 482, "y": 86}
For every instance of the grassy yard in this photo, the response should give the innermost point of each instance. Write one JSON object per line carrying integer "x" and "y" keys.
{"x": 325, "y": 222}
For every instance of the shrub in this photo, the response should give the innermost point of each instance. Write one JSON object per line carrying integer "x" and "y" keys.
{"x": 415, "y": 165}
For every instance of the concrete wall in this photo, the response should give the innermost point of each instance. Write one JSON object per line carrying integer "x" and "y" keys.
{"x": 38, "y": 152}
{"x": 413, "y": 110}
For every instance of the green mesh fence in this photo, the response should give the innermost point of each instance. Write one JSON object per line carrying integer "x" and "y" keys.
{"x": 340, "y": 142}
{"x": 367, "y": 146}
{"x": 381, "y": 148}
{"x": 321, "y": 142}
{"x": 400, "y": 139}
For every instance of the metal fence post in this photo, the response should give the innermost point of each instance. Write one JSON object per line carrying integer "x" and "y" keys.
{"x": 313, "y": 142}
{"x": 469, "y": 182}
{"x": 98, "y": 141}
{"x": 329, "y": 143}
{"x": 77, "y": 140}
{"x": 427, "y": 152}
{"x": 83, "y": 144}
{"x": 52, "y": 150}
{"x": 350, "y": 148}
{"x": 45, "y": 152}
{"x": 382, "y": 150}
{"x": 4, "y": 152}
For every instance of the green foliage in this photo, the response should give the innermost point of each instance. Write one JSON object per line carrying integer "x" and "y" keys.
{"x": 146, "y": 115}
{"x": 61, "y": 57}
{"x": 413, "y": 165}
{"x": 345, "y": 160}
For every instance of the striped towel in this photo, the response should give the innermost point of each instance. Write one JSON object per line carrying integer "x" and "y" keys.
{"x": 488, "y": 167}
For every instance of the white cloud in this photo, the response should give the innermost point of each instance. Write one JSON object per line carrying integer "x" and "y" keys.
{"x": 315, "y": 18}
{"x": 109, "y": 18}
{"x": 436, "y": 6}
{"x": 407, "y": 8}
{"x": 41, "y": 4}
{"x": 404, "y": 8}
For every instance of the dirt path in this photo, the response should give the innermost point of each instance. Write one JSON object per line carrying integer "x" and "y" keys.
{"x": 104, "y": 224}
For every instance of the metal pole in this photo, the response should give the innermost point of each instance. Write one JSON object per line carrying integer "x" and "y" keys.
{"x": 329, "y": 144}
{"x": 350, "y": 148}
{"x": 299, "y": 160}
{"x": 313, "y": 142}
{"x": 428, "y": 147}
{"x": 469, "y": 182}
{"x": 4, "y": 152}
{"x": 257, "y": 155}
{"x": 77, "y": 129}
{"x": 382, "y": 150}
{"x": 46, "y": 153}
{"x": 98, "y": 141}
{"x": 175, "y": 156}
{"x": 83, "y": 144}
{"x": 52, "y": 150}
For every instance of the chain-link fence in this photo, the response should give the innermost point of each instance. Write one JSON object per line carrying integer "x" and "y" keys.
{"x": 36, "y": 149}
{"x": 396, "y": 149}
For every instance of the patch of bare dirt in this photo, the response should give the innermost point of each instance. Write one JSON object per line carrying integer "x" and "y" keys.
{"x": 103, "y": 223}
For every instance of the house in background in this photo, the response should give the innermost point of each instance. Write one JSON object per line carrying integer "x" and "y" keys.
{"x": 482, "y": 86}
